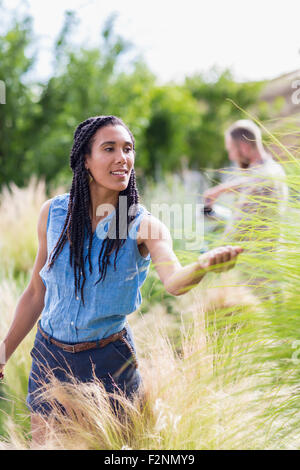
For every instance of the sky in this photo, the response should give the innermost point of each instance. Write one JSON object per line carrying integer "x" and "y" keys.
{"x": 255, "y": 39}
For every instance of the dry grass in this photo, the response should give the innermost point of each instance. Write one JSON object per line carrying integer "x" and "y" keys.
{"x": 187, "y": 405}
{"x": 206, "y": 383}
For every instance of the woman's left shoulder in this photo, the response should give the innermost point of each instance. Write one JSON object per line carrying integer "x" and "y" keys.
{"x": 153, "y": 228}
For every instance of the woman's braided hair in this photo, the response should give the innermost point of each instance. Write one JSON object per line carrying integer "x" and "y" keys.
{"x": 78, "y": 209}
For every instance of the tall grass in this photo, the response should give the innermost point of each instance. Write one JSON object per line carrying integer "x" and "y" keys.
{"x": 220, "y": 372}
{"x": 19, "y": 209}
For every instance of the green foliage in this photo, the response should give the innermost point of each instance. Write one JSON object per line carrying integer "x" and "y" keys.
{"x": 174, "y": 113}
{"x": 212, "y": 91}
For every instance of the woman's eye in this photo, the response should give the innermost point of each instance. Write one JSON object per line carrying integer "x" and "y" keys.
{"x": 128, "y": 149}
{"x": 108, "y": 148}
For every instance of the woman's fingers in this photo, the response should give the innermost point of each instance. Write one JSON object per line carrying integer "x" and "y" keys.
{"x": 233, "y": 252}
{"x": 218, "y": 256}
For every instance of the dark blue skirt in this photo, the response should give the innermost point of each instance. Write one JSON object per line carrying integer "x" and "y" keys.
{"x": 115, "y": 365}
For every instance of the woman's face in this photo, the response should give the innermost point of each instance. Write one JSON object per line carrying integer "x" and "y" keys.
{"x": 112, "y": 157}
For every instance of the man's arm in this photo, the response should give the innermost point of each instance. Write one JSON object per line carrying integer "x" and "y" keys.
{"x": 211, "y": 194}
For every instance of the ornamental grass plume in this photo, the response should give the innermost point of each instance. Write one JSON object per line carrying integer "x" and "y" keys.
{"x": 220, "y": 372}
{"x": 19, "y": 209}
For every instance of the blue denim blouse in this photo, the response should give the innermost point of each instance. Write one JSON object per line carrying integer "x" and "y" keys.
{"x": 107, "y": 303}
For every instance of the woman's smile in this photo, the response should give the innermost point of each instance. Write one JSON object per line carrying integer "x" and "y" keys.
{"x": 119, "y": 173}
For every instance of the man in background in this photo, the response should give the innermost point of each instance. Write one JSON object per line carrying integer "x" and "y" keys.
{"x": 258, "y": 183}
{"x": 261, "y": 193}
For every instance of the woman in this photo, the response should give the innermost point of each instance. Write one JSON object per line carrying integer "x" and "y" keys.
{"x": 89, "y": 269}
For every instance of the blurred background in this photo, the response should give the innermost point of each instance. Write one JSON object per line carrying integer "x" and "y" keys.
{"x": 167, "y": 70}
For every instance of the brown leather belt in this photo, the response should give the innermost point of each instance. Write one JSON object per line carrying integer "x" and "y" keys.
{"x": 73, "y": 348}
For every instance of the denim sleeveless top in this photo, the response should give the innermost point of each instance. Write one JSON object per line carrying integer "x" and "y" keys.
{"x": 107, "y": 303}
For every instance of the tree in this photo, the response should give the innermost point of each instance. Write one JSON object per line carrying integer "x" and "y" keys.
{"x": 169, "y": 121}
{"x": 174, "y": 112}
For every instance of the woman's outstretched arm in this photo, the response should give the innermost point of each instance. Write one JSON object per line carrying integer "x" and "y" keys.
{"x": 31, "y": 302}
{"x": 178, "y": 279}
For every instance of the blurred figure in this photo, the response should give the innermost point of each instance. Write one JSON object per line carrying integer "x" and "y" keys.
{"x": 261, "y": 196}
{"x": 259, "y": 183}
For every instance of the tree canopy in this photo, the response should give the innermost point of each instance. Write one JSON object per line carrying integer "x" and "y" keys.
{"x": 170, "y": 122}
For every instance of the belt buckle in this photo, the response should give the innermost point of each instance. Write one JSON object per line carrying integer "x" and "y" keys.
{"x": 67, "y": 350}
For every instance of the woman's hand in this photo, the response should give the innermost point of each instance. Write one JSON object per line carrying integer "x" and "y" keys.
{"x": 220, "y": 259}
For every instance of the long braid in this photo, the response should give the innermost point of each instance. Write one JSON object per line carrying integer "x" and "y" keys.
{"x": 78, "y": 218}
{"x": 132, "y": 198}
